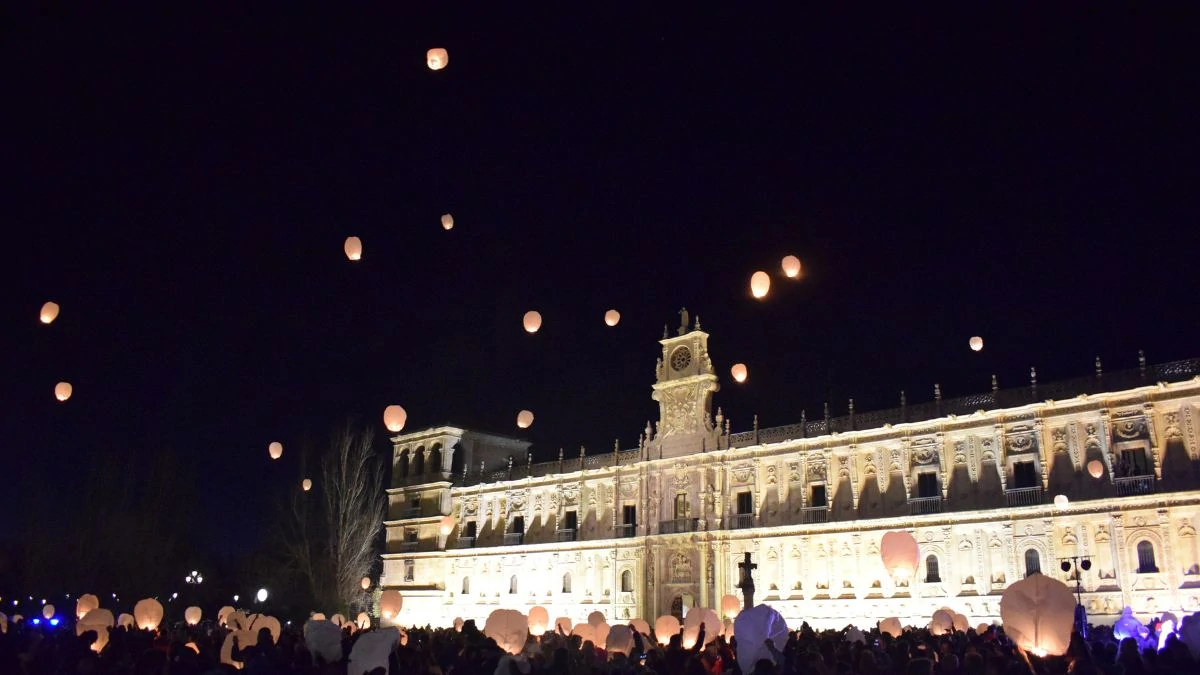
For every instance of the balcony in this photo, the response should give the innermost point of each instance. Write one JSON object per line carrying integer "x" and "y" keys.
{"x": 1029, "y": 496}
{"x": 1134, "y": 485}
{"x": 411, "y": 512}
{"x": 514, "y": 538}
{"x": 625, "y": 531}
{"x": 566, "y": 535}
{"x": 679, "y": 525}
{"x": 741, "y": 521}
{"x": 466, "y": 542}
{"x": 814, "y": 515}
{"x": 409, "y": 545}
{"x": 920, "y": 506}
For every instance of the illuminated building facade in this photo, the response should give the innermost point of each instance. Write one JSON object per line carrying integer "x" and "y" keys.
{"x": 655, "y": 529}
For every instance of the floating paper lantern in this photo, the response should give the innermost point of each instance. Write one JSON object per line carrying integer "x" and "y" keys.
{"x": 62, "y": 391}
{"x": 524, "y": 419}
{"x": 941, "y": 623}
{"x": 390, "y": 602}
{"x": 148, "y": 613}
{"x": 697, "y": 616}
{"x": 125, "y": 621}
{"x": 447, "y": 222}
{"x": 891, "y": 626}
{"x": 612, "y": 317}
{"x": 437, "y": 59}
{"x": 394, "y": 418}
{"x": 739, "y": 372}
{"x": 640, "y": 626}
{"x": 365, "y": 583}
{"x": 508, "y": 628}
{"x": 1039, "y": 614}
{"x": 1061, "y": 502}
{"x": 754, "y": 626}
{"x": 976, "y": 343}
{"x": 961, "y": 623}
{"x": 730, "y": 606}
{"x": 353, "y": 248}
{"x": 48, "y": 611}
{"x": 664, "y": 628}
{"x": 760, "y": 283}
{"x": 99, "y": 620}
{"x": 791, "y": 266}
{"x": 192, "y": 615}
{"x": 619, "y": 640}
{"x": 306, "y": 484}
{"x": 539, "y": 620}
{"x": 532, "y": 321}
{"x": 222, "y": 614}
{"x": 585, "y": 632}
{"x": 900, "y": 554}
{"x": 49, "y": 312}
{"x": 363, "y": 621}
{"x": 446, "y": 525}
{"x": 86, "y": 603}
{"x": 275, "y": 449}
{"x": 3, "y": 623}
{"x": 1095, "y": 468}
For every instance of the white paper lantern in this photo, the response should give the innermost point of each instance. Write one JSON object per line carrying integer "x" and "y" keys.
{"x": 640, "y": 626}
{"x": 508, "y": 628}
{"x": 891, "y": 626}
{"x": 272, "y": 624}
{"x": 853, "y": 634}
{"x": 730, "y": 606}
{"x": 665, "y": 627}
{"x": 99, "y": 620}
{"x": 48, "y": 612}
{"x": 976, "y": 343}
{"x": 727, "y": 630}
{"x": 754, "y": 626}
{"x": 192, "y": 615}
{"x": 1095, "y": 468}
{"x": 739, "y": 372}
{"x": 318, "y": 616}
{"x": 539, "y": 620}
{"x": 363, "y": 621}
{"x": 446, "y": 525}
{"x": 365, "y": 583}
{"x": 586, "y": 632}
{"x": 353, "y": 248}
{"x": 306, "y": 484}
{"x": 222, "y": 614}
{"x": 1061, "y": 502}
{"x": 900, "y": 554}
{"x": 941, "y": 623}
{"x": 612, "y": 317}
{"x": 532, "y": 321}
{"x": 619, "y": 640}
{"x": 49, "y": 312}
{"x": 595, "y": 618}
{"x": 447, "y": 222}
{"x": 563, "y": 624}
{"x": 275, "y": 449}
{"x": 437, "y": 58}
{"x": 125, "y": 621}
{"x": 390, "y": 602}
{"x": 961, "y": 623}
{"x": 697, "y": 616}
{"x": 760, "y": 283}
{"x": 982, "y": 628}
{"x": 791, "y": 266}
{"x": 524, "y": 419}
{"x": 62, "y": 391}
{"x": 148, "y": 613}
{"x": 86, "y": 603}
{"x": 394, "y": 418}
{"x": 1039, "y": 614}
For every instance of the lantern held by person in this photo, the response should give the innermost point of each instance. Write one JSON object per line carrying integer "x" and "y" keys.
{"x": 664, "y": 628}
{"x": 753, "y": 627}
{"x": 730, "y": 606}
{"x": 891, "y": 626}
{"x": 192, "y": 615}
{"x": 508, "y": 628}
{"x": 942, "y": 622}
{"x": 539, "y": 620}
{"x": 390, "y": 602}
{"x": 394, "y": 418}
{"x": 86, "y": 603}
{"x": 1038, "y": 613}
{"x": 99, "y": 620}
{"x": 148, "y": 613}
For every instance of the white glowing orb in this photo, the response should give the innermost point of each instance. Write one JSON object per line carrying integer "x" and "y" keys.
{"x": 976, "y": 343}
{"x": 62, "y": 391}
{"x": 739, "y": 372}
{"x": 612, "y": 317}
{"x": 275, "y": 449}
{"x": 437, "y": 59}
{"x": 49, "y": 312}
{"x": 524, "y": 419}
{"x": 394, "y": 418}
{"x": 353, "y": 248}
{"x": 760, "y": 283}
{"x": 447, "y": 222}
{"x": 791, "y": 266}
{"x": 532, "y": 321}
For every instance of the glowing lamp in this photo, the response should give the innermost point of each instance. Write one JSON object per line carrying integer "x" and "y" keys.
{"x": 961, "y": 623}
{"x": 48, "y": 611}
{"x": 900, "y": 554}
{"x": 192, "y": 615}
{"x": 739, "y": 372}
{"x": 261, "y": 596}
{"x": 532, "y": 321}
{"x": 612, "y": 317}
{"x": 306, "y": 484}
{"x": 1039, "y": 614}
{"x": 390, "y": 602}
{"x": 1061, "y": 502}
{"x": 275, "y": 449}
{"x": 730, "y": 606}
{"x": 62, "y": 391}
{"x": 394, "y": 418}
{"x": 664, "y": 628}
{"x": 192, "y": 646}
{"x": 353, "y": 248}
{"x": 1095, "y": 468}
{"x": 49, "y": 312}
{"x": 86, "y": 603}
{"x": 539, "y": 620}
{"x": 437, "y": 59}
{"x": 524, "y": 419}
{"x": 365, "y": 583}
{"x": 585, "y": 632}
{"x": 976, "y": 343}
{"x": 148, "y": 613}
{"x": 982, "y": 628}
{"x": 791, "y": 266}
{"x": 508, "y": 628}
{"x": 760, "y": 283}
{"x": 446, "y": 525}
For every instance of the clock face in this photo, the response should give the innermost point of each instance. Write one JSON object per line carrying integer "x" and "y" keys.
{"x": 680, "y": 358}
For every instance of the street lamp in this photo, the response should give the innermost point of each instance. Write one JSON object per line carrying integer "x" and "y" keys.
{"x": 1081, "y": 563}
{"x": 194, "y": 578}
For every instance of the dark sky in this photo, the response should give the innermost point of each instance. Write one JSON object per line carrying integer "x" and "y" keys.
{"x": 182, "y": 185}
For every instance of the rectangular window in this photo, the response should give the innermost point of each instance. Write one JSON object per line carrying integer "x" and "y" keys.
{"x": 927, "y": 484}
{"x": 1024, "y": 475}
{"x": 681, "y": 505}
{"x": 410, "y": 536}
{"x": 818, "y": 496}
{"x": 518, "y": 525}
{"x": 410, "y": 570}
{"x": 470, "y": 530}
{"x": 1134, "y": 463}
{"x": 572, "y": 520}
{"x": 629, "y": 514}
{"x": 745, "y": 504}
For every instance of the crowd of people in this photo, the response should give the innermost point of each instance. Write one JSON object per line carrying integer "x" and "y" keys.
{"x": 43, "y": 650}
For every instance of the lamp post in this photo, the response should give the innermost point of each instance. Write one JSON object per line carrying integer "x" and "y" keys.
{"x": 193, "y": 581}
{"x": 1081, "y": 563}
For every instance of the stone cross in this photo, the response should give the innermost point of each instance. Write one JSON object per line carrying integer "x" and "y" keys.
{"x": 747, "y": 583}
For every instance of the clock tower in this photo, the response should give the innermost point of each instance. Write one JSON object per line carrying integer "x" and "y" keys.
{"x": 684, "y": 388}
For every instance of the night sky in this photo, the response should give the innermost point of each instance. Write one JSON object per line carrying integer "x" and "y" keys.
{"x": 182, "y": 185}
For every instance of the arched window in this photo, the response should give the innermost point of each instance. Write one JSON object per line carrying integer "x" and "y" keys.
{"x": 512, "y": 585}
{"x": 466, "y": 585}
{"x": 435, "y": 459}
{"x": 1033, "y": 562}
{"x": 567, "y": 583}
{"x": 418, "y": 464}
{"x": 931, "y": 570}
{"x": 1145, "y": 551}
{"x": 627, "y": 581}
{"x": 402, "y": 463}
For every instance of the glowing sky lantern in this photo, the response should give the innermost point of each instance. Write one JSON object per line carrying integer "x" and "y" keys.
{"x": 900, "y": 554}
{"x": 1038, "y": 613}
{"x": 562, "y": 624}
{"x": 86, "y": 603}
{"x": 192, "y": 615}
{"x": 942, "y": 622}
{"x": 791, "y": 266}
{"x": 891, "y": 626}
{"x": 446, "y": 525}
{"x": 437, "y": 59}
{"x": 223, "y": 613}
{"x": 125, "y": 620}
{"x": 730, "y": 606}
{"x": 148, "y": 613}
{"x": 508, "y": 628}
{"x": 739, "y": 372}
{"x": 664, "y": 628}
{"x": 306, "y": 484}
{"x": 612, "y": 317}
{"x": 62, "y": 391}
{"x": 447, "y": 221}
{"x": 49, "y": 312}
{"x": 532, "y": 321}
{"x": 524, "y": 419}
{"x": 394, "y": 418}
{"x": 353, "y": 248}
{"x": 1095, "y": 468}
{"x": 760, "y": 283}
{"x": 275, "y": 449}
{"x": 48, "y": 611}
{"x": 976, "y": 343}
{"x": 390, "y": 602}
{"x": 1061, "y": 502}
{"x": 539, "y": 620}
{"x": 619, "y": 640}
{"x": 99, "y": 620}
{"x": 697, "y": 616}
{"x": 365, "y": 583}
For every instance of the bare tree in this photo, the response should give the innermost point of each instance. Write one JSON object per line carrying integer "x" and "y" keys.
{"x": 352, "y": 482}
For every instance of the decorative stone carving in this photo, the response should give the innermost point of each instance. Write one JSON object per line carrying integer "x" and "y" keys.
{"x": 771, "y": 478}
{"x": 741, "y": 474}
{"x": 1058, "y": 439}
{"x": 793, "y": 472}
{"x": 680, "y": 568}
{"x": 1131, "y": 429}
{"x": 1171, "y": 429}
{"x": 816, "y": 470}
